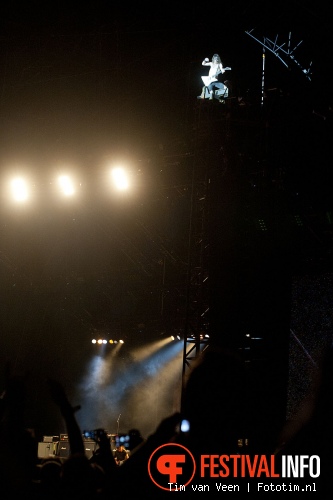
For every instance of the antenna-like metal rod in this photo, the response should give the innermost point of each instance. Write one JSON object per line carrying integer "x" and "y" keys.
{"x": 263, "y": 76}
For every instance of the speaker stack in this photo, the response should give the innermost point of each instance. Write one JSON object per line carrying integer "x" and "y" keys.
{"x": 63, "y": 449}
{"x": 49, "y": 447}
{"x": 45, "y": 450}
{"x": 89, "y": 448}
{"x": 55, "y": 446}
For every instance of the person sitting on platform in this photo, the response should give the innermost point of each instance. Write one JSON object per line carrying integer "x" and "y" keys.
{"x": 211, "y": 81}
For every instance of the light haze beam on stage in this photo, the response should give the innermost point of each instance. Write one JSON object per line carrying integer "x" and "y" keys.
{"x": 112, "y": 384}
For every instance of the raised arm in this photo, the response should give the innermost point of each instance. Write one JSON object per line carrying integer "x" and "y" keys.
{"x": 67, "y": 411}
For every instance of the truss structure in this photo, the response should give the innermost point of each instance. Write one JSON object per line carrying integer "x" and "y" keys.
{"x": 283, "y": 51}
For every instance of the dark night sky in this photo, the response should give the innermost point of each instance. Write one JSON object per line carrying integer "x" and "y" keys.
{"x": 89, "y": 81}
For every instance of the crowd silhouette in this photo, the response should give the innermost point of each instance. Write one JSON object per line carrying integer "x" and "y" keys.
{"x": 215, "y": 404}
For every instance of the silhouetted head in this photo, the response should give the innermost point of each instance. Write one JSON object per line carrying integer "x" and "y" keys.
{"x": 214, "y": 400}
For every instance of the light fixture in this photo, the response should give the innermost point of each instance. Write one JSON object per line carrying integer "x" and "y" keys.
{"x": 19, "y": 189}
{"x": 66, "y": 185}
{"x": 120, "y": 178}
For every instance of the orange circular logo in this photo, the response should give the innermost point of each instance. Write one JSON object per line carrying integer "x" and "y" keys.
{"x": 171, "y": 467}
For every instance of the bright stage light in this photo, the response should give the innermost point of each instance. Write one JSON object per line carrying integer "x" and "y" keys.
{"x": 120, "y": 178}
{"x": 19, "y": 189}
{"x": 104, "y": 341}
{"x": 66, "y": 185}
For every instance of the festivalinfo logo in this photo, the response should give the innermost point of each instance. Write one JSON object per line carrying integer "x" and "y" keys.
{"x": 172, "y": 467}
{"x": 170, "y": 463}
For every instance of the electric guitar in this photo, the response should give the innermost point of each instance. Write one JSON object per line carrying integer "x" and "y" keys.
{"x": 209, "y": 79}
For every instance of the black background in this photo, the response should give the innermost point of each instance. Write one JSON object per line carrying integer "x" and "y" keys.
{"x": 87, "y": 82}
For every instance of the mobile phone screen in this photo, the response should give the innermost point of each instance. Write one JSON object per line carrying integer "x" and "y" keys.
{"x": 184, "y": 426}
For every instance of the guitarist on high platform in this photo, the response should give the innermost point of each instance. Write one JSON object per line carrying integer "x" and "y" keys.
{"x": 211, "y": 81}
